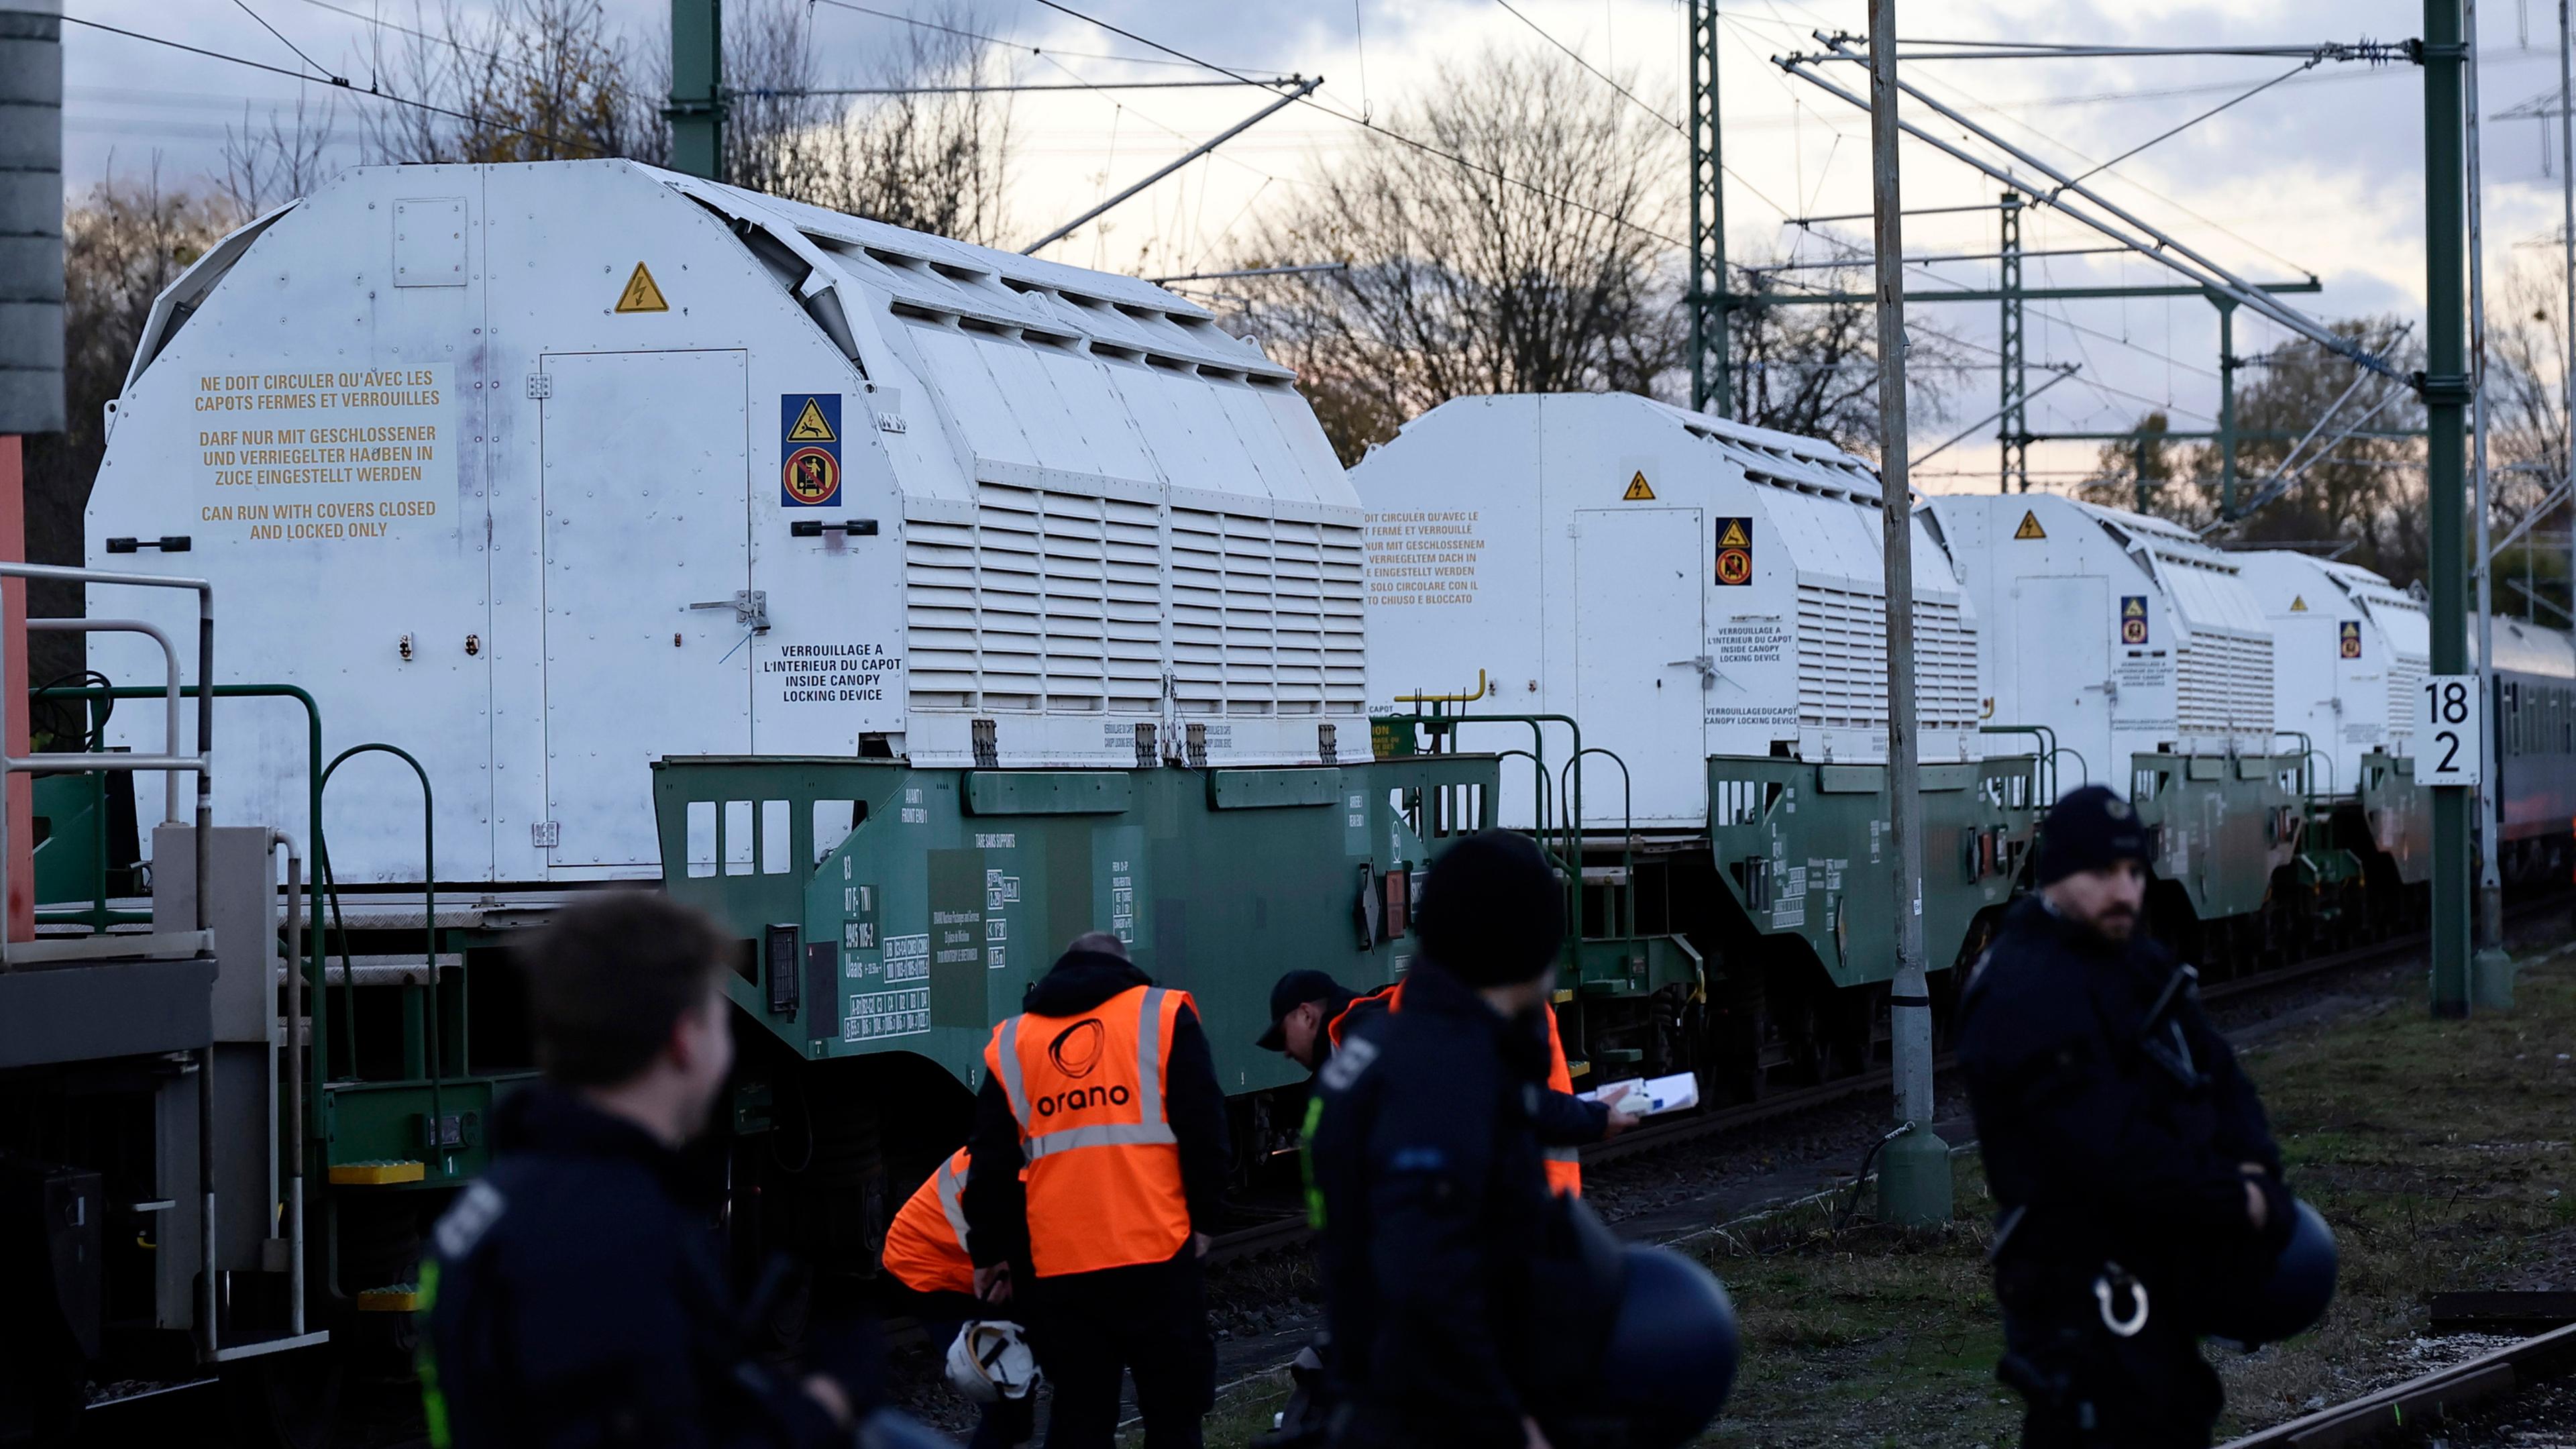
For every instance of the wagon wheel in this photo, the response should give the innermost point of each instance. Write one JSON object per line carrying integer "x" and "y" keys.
{"x": 1739, "y": 1030}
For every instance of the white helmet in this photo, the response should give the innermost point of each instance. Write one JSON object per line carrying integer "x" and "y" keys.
{"x": 990, "y": 1361}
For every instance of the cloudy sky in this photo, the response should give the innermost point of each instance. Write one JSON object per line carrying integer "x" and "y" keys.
{"x": 2320, "y": 174}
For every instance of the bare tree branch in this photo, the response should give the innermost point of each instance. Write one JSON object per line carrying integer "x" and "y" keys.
{"x": 931, "y": 162}
{"x": 277, "y": 163}
{"x": 544, "y": 80}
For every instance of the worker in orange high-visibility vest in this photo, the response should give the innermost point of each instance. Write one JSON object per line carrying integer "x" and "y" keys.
{"x": 1099, "y": 1164}
{"x": 925, "y": 1251}
{"x": 1565, "y": 1122}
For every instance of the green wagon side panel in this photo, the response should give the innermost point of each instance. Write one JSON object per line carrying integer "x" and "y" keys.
{"x": 2221, "y": 826}
{"x": 1047, "y": 792}
{"x": 1271, "y": 789}
{"x": 2399, "y": 813}
{"x": 1804, "y": 850}
{"x": 925, "y": 925}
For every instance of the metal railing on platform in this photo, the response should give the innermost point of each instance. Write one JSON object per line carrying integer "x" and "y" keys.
{"x": 21, "y": 953}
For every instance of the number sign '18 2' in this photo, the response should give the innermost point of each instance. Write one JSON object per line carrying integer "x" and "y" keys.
{"x": 2450, "y": 731}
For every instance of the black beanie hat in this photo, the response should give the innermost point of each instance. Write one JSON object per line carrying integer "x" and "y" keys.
{"x": 1492, "y": 911}
{"x": 2087, "y": 830}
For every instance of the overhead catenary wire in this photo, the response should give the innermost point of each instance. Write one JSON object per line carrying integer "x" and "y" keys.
{"x": 985, "y": 90}
{"x": 1577, "y": 57}
{"x": 2370, "y": 51}
{"x": 1304, "y": 88}
{"x": 2005, "y": 111}
{"x": 2281, "y": 482}
{"x": 2167, "y": 249}
{"x": 2058, "y": 140}
{"x": 2168, "y": 135}
{"x": 1396, "y": 136}
{"x": 919, "y": 23}
{"x": 289, "y": 44}
{"x": 337, "y": 83}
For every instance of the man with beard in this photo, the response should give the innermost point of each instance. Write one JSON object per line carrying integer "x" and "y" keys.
{"x": 2134, "y": 1172}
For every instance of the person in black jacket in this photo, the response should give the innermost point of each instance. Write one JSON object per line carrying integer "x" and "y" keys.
{"x": 1149, "y": 1318}
{"x": 2129, "y": 1158}
{"x": 1303, "y": 1004}
{"x": 576, "y": 1294}
{"x": 1425, "y": 1168}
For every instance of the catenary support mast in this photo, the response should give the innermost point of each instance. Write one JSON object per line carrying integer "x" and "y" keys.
{"x": 2445, "y": 389}
{"x": 2490, "y": 970}
{"x": 696, "y": 111}
{"x": 1710, "y": 389}
{"x": 2013, "y": 428}
{"x": 1914, "y": 1172}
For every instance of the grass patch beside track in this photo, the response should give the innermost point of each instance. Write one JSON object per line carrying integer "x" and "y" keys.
{"x": 2440, "y": 1151}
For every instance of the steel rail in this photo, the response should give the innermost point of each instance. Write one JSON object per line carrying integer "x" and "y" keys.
{"x": 2426, "y": 1397}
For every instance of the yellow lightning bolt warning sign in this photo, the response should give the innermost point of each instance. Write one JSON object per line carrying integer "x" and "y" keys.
{"x": 641, "y": 295}
{"x": 2030, "y": 526}
{"x": 1639, "y": 490}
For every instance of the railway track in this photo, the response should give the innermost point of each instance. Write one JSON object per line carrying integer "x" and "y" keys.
{"x": 1656, "y": 1137}
{"x": 2426, "y": 1399}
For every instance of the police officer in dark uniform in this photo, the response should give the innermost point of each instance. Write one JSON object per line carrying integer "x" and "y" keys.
{"x": 2134, "y": 1172}
{"x": 1426, "y": 1169}
{"x": 577, "y": 1294}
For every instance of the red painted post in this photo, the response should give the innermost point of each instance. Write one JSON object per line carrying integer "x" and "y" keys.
{"x": 13, "y": 684}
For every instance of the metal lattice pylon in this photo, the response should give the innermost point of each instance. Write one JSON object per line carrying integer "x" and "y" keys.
{"x": 1708, "y": 299}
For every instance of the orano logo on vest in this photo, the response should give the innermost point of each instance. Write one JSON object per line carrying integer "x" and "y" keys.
{"x": 1076, "y": 1052}
{"x": 1076, "y": 1049}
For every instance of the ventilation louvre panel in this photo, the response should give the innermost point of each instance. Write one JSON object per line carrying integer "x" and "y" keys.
{"x": 1071, "y": 603}
{"x": 1842, "y": 662}
{"x": 2405, "y": 687}
{"x": 2223, "y": 685}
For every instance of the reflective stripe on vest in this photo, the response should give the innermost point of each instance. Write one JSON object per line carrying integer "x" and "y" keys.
{"x": 1563, "y": 1165}
{"x": 925, "y": 1245}
{"x": 1388, "y": 996}
{"x": 1121, "y": 1202}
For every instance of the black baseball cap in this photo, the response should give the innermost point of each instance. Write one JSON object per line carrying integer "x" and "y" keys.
{"x": 1292, "y": 991}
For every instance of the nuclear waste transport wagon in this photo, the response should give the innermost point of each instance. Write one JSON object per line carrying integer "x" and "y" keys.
{"x": 911, "y": 605}
{"x": 2149, "y": 660}
{"x": 1697, "y": 606}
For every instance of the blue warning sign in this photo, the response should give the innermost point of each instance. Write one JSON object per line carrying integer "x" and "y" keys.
{"x": 2133, "y": 618}
{"x": 809, "y": 449}
{"x": 2350, "y": 641}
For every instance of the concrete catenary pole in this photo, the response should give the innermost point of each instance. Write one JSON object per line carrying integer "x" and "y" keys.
{"x": 2446, "y": 399}
{"x": 2490, "y": 970}
{"x": 696, "y": 111}
{"x": 1914, "y": 1171}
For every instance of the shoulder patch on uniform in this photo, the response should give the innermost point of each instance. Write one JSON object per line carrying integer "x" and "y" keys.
{"x": 463, "y": 1225}
{"x": 1351, "y": 1059}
